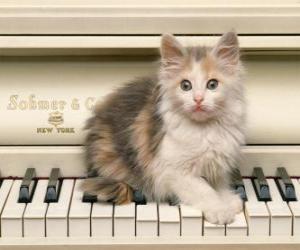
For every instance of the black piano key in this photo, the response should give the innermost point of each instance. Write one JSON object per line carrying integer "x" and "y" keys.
{"x": 89, "y": 198}
{"x": 260, "y": 185}
{"x": 238, "y": 184}
{"x": 139, "y": 198}
{"x": 27, "y": 186}
{"x": 53, "y": 186}
{"x": 1, "y": 181}
{"x": 285, "y": 185}
{"x": 173, "y": 202}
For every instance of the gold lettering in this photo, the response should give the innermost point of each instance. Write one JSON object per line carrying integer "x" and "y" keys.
{"x": 65, "y": 130}
{"x": 49, "y": 130}
{"x": 62, "y": 105}
{"x": 32, "y": 102}
{"x": 23, "y": 105}
{"x": 90, "y": 103}
{"x": 44, "y": 130}
{"x": 13, "y": 105}
{"x": 39, "y": 130}
{"x": 43, "y": 105}
{"x": 54, "y": 105}
{"x": 75, "y": 104}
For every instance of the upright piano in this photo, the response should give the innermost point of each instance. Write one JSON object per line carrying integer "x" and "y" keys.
{"x": 57, "y": 57}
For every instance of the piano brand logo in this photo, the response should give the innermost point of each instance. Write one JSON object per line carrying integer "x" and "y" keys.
{"x": 56, "y": 118}
{"x": 56, "y": 107}
{"x": 32, "y": 102}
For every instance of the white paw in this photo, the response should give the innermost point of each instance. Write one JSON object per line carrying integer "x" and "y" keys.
{"x": 236, "y": 204}
{"x": 222, "y": 214}
{"x": 234, "y": 201}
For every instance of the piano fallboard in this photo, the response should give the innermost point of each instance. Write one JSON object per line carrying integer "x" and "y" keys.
{"x": 46, "y": 100}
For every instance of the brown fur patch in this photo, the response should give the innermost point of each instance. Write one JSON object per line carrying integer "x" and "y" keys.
{"x": 208, "y": 64}
{"x": 140, "y": 137}
{"x": 147, "y": 132}
{"x": 125, "y": 194}
{"x": 108, "y": 190}
{"x": 123, "y": 135}
{"x": 210, "y": 67}
{"x": 105, "y": 158}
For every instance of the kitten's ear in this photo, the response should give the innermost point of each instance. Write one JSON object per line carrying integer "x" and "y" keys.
{"x": 227, "y": 49}
{"x": 171, "y": 50}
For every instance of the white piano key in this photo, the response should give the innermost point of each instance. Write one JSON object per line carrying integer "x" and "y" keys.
{"x": 256, "y": 212}
{"x": 12, "y": 215}
{"x": 4, "y": 192}
{"x": 102, "y": 219}
{"x": 124, "y": 220}
{"x": 191, "y": 221}
{"x": 238, "y": 227}
{"x": 295, "y": 208}
{"x": 210, "y": 229}
{"x": 147, "y": 219}
{"x": 57, "y": 214}
{"x": 79, "y": 216}
{"x": 35, "y": 212}
{"x": 281, "y": 217}
{"x": 169, "y": 220}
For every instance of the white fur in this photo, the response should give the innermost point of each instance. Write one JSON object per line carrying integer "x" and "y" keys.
{"x": 186, "y": 150}
{"x": 196, "y": 154}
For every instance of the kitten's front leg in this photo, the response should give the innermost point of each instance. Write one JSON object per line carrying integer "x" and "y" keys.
{"x": 231, "y": 198}
{"x": 198, "y": 193}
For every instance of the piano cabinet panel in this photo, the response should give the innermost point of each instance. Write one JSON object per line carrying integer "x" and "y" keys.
{"x": 46, "y": 100}
{"x": 14, "y": 160}
{"x": 273, "y": 93}
{"x": 148, "y": 17}
{"x": 53, "y": 97}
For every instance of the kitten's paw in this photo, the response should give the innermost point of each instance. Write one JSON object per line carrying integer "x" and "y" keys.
{"x": 234, "y": 201}
{"x": 222, "y": 214}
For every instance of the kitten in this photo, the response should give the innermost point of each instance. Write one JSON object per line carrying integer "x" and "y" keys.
{"x": 177, "y": 133}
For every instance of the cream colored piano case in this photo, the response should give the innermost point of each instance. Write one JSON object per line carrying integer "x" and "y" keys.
{"x": 58, "y": 57}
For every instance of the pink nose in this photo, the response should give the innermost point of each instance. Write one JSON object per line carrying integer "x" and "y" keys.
{"x": 198, "y": 99}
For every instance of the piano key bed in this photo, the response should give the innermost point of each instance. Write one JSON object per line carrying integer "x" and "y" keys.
{"x": 72, "y": 214}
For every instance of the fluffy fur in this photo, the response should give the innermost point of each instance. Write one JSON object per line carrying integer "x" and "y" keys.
{"x": 153, "y": 136}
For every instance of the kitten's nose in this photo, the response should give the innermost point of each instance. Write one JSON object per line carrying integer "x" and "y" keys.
{"x": 198, "y": 99}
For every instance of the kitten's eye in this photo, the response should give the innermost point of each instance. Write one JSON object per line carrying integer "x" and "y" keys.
{"x": 212, "y": 84}
{"x": 186, "y": 85}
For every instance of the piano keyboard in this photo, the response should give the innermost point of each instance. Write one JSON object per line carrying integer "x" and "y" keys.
{"x": 56, "y": 207}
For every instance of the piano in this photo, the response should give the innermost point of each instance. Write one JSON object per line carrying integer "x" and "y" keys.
{"x": 58, "y": 57}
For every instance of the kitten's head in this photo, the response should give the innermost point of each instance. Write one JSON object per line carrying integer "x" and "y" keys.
{"x": 198, "y": 81}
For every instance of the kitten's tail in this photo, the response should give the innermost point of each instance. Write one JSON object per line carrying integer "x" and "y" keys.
{"x": 108, "y": 190}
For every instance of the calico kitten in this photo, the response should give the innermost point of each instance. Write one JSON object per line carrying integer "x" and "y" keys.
{"x": 177, "y": 133}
